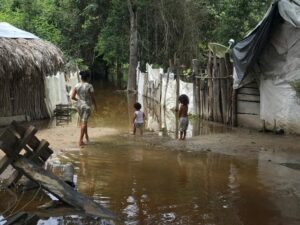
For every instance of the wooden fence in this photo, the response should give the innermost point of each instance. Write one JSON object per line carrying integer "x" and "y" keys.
{"x": 214, "y": 96}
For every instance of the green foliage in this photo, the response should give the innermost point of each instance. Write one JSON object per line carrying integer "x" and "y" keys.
{"x": 89, "y": 29}
{"x": 235, "y": 18}
{"x": 113, "y": 40}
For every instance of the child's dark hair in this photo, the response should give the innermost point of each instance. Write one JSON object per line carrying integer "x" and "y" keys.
{"x": 85, "y": 75}
{"x": 137, "y": 106}
{"x": 184, "y": 99}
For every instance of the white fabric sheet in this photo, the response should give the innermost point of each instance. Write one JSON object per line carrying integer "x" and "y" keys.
{"x": 154, "y": 85}
{"x": 56, "y": 93}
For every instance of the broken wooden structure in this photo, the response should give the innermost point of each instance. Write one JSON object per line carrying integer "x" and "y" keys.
{"x": 27, "y": 154}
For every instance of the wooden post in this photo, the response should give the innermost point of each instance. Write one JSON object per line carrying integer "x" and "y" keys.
{"x": 223, "y": 84}
{"x": 210, "y": 98}
{"x": 229, "y": 71}
{"x": 234, "y": 107}
{"x": 176, "y": 63}
{"x": 216, "y": 90}
{"x": 196, "y": 90}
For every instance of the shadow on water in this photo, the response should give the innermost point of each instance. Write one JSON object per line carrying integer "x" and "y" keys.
{"x": 146, "y": 184}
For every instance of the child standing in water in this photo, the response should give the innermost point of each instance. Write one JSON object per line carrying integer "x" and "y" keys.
{"x": 183, "y": 115}
{"x": 138, "y": 120}
{"x": 84, "y": 96}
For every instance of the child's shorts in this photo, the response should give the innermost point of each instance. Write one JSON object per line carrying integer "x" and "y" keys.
{"x": 84, "y": 112}
{"x": 183, "y": 123}
{"x": 138, "y": 125}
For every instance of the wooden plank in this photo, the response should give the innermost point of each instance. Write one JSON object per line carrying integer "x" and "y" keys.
{"x": 249, "y": 98}
{"x": 216, "y": 90}
{"x": 60, "y": 189}
{"x": 249, "y": 91}
{"x": 42, "y": 151}
{"x": 223, "y": 87}
{"x": 34, "y": 156}
{"x": 248, "y": 108}
{"x": 252, "y": 85}
{"x": 22, "y": 218}
{"x": 34, "y": 142}
{"x": 4, "y": 163}
{"x": 29, "y": 134}
{"x": 4, "y": 121}
{"x": 229, "y": 72}
{"x": 234, "y": 108}
{"x": 210, "y": 99}
{"x": 9, "y": 142}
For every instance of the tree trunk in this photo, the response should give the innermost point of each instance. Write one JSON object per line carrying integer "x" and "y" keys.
{"x": 131, "y": 84}
{"x": 119, "y": 75}
{"x": 210, "y": 87}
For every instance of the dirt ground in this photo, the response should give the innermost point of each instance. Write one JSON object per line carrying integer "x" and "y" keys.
{"x": 239, "y": 142}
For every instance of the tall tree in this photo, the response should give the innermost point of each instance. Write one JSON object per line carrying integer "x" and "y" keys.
{"x": 133, "y": 47}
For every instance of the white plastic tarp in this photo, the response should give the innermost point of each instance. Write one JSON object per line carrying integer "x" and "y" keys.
{"x": 246, "y": 52}
{"x": 290, "y": 11}
{"x": 9, "y": 31}
{"x": 280, "y": 65}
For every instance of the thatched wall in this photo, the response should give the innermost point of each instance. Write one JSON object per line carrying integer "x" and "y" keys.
{"x": 24, "y": 63}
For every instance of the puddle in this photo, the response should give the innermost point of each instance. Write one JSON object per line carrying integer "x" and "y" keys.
{"x": 144, "y": 184}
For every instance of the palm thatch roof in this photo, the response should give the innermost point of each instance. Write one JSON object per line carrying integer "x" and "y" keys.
{"x": 25, "y": 60}
{"x": 28, "y": 57}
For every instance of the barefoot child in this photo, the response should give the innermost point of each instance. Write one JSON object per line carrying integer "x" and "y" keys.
{"x": 84, "y": 96}
{"x": 139, "y": 117}
{"x": 183, "y": 116}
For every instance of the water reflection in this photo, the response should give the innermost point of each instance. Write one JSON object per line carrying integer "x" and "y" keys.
{"x": 143, "y": 184}
{"x": 165, "y": 121}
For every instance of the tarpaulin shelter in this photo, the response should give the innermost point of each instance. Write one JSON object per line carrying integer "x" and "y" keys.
{"x": 270, "y": 55}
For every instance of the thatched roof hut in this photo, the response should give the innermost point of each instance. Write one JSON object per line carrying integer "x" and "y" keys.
{"x": 25, "y": 61}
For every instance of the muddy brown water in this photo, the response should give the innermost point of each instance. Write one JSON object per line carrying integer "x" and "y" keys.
{"x": 146, "y": 184}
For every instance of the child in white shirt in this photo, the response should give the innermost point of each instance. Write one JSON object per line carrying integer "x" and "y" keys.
{"x": 139, "y": 117}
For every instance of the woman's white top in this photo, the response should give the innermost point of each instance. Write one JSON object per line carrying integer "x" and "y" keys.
{"x": 139, "y": 117}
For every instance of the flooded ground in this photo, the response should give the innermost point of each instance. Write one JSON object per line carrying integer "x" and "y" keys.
{"x": 145, "y": 181}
